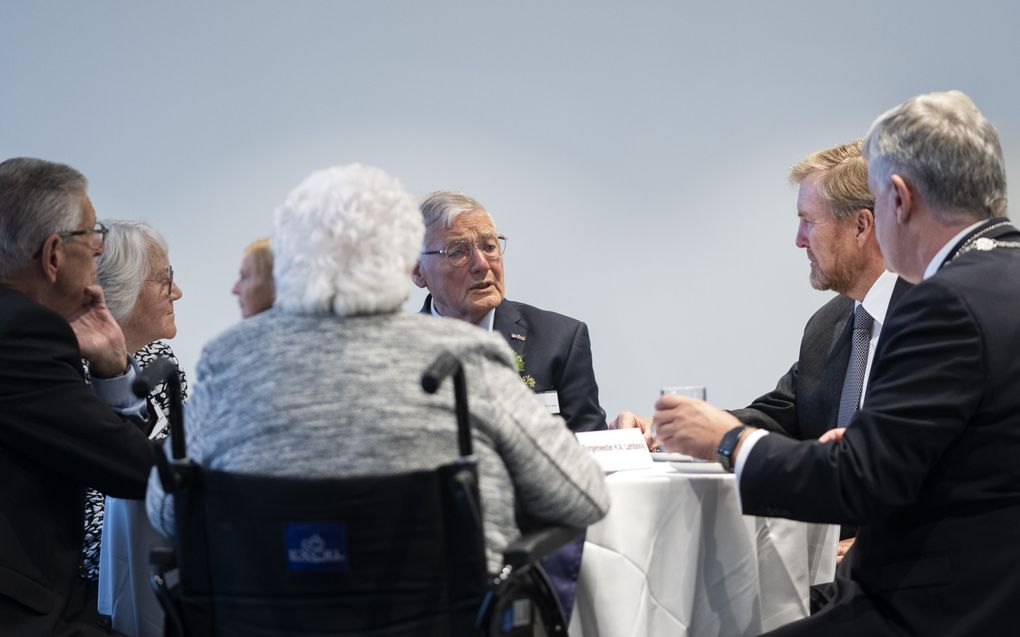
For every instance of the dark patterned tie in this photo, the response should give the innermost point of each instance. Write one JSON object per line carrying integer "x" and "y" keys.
{"x": 853, "y": 384}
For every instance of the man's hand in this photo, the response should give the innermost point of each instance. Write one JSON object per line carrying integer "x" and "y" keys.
{"x": 691, "y": 426}
{"x": 627, "y": 420}
{"x": 842, "y": 548}
{"x": 100, "y": 339}
{"x": 832, "y": 435}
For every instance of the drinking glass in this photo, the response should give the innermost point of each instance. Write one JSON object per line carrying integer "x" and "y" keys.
{"x": 693, "y": 391}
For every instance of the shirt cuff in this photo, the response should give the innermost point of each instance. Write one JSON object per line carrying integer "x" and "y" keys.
{"x": 116, "y": 392}
{"x": 745, "y": 450}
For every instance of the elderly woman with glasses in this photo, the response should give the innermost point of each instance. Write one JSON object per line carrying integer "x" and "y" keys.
{"x": 327, "y": 382}
{"x": 138, "y": 284}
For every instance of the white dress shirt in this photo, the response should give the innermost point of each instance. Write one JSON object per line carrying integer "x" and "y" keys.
{"x": 486, "y": 322}
{"x": 876, "y": 303}
{"x": 940, "y": 256}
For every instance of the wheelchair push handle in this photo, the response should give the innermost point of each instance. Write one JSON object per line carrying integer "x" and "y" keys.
{"x": 446, "y": 364}
{"x": 165, "y": 370}
{"x": 158, "y": 371}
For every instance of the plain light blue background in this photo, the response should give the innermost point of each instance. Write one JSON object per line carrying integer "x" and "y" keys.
{"x": 636, "y": 153}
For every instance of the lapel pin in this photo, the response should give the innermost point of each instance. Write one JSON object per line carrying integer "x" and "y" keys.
{"x": 519, "y": 337}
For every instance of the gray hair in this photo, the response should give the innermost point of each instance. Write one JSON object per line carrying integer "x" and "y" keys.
{"x": 345, "y": 242}
{"x": 947, "y": 149}
{"x": 124, "y": 264}
{"x": 440, "y": 208}
{"x": 37, "y": 198}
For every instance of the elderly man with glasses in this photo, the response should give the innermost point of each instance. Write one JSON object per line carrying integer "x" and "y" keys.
{"x": 58, "y": 435}
{"x": 461, "y": 264}
{"x": 462, "y": 267}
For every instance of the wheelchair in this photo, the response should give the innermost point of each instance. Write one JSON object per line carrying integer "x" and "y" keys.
{"x": 394, "y": 555}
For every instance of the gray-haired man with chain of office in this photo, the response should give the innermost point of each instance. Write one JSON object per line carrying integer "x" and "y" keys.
{"x": 927, "y": 467}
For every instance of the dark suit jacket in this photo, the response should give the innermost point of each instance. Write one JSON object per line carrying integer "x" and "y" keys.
{"x": 56, "y": 438}
{"x": 805, "y": 402}
{"x": 928, "y": 468}
{"x": 557, "y": 354}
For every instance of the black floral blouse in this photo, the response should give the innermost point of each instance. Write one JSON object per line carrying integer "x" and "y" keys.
{"x": 94, "y": 500}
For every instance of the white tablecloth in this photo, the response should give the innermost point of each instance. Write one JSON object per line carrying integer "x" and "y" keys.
{"x": 676, "y": 557}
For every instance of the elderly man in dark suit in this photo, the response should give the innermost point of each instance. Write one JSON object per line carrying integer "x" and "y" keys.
{"x": 57, "y": 434}
{"x": 462, "y": 266}
{"x": 927, "y": 467}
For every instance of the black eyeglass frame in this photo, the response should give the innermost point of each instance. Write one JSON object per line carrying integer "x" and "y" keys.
{"x": 99, "y": 229}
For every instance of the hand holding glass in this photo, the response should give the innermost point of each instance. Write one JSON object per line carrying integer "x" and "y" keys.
{"x": 692, "y": 391}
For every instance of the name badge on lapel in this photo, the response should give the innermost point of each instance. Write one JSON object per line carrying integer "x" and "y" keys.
{"x": 550, "y": 400}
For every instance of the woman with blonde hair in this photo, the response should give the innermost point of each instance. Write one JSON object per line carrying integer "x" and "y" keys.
{"x": 254, "y": 288}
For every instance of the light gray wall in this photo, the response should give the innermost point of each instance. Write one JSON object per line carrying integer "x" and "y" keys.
{"x": 635, "y": 152}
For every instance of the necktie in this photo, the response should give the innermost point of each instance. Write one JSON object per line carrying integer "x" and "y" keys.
{"x": 853, "y": 383}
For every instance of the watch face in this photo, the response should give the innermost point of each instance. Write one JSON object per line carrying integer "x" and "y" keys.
{"x": 726, "y": 461}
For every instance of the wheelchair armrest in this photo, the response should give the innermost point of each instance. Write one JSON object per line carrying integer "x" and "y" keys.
{"x": 531, "y": 547}
{"x": 164, "y": 558}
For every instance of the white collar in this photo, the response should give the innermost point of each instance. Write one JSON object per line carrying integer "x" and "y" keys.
{"x": 876, "y": 301}
{"x": 488, "y": 320}
{"x": 940, "y": 256}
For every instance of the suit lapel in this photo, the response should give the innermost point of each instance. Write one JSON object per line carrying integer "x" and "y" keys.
{"x": 834, "y": 371}
{"x": 509, "y": 322}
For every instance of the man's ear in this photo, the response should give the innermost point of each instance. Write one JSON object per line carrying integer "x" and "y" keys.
{"x": 417, "y": 276}
{"x": 865, "y": 221}
{"x": 51, "y": 257}
{"x": 903, "y": 199}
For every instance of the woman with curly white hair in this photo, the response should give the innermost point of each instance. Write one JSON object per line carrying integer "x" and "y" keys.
{"x": 327, "y": 382}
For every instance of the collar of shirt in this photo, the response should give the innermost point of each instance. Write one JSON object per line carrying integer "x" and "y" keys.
{"x": 940, "y": 256}
{"x": 486, "y": 322}
{"x": 876, "y": 301}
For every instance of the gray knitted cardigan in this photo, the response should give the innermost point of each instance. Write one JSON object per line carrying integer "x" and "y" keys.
{"x": 285, "y": 394}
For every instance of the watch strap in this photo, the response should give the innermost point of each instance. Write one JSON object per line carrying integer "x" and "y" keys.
{"x": 726, "y": 446}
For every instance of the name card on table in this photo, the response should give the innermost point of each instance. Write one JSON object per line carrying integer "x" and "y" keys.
{"x": 617, "y": 449}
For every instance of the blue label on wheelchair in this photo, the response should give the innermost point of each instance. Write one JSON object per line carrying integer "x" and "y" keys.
{"x": 316, "y": 546}
{"x": 516, "y": 615}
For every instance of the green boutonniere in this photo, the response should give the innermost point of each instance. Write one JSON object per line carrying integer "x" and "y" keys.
{"x": 528, "y": 379}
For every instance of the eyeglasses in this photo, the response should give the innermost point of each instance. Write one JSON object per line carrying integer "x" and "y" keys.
{"x": 458, "y": 252}
{"x": 99, "y": 229}
{"x": 167, "y": 280}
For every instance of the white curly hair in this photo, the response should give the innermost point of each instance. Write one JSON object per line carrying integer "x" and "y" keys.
{"x": 345, "y": 241}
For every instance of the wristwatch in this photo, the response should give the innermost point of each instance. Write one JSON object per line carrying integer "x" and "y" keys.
{"x": 727, "y": 445}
